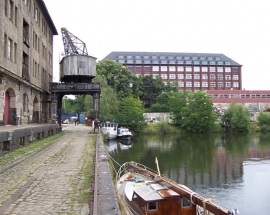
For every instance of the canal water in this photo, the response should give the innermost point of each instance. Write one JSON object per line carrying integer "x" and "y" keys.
{"x": 235, "y": 169}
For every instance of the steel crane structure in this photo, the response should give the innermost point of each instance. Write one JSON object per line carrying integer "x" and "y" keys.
{"x": 77, "y": 69}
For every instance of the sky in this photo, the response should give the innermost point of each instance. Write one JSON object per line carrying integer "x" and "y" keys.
{"x": 238, "y": 29}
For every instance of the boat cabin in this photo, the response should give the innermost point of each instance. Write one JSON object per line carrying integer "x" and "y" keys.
{"x": 155, "y": 199}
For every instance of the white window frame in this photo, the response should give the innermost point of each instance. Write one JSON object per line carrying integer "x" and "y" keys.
{"x": 164, "y": 68}
{"x": 189, "y": 84}
{"x": 155, "y": 68}
{"x": 172, "y": 76}
{"x": 188, "y": 76}
{"x": 180, "y": 68}
{"x": 172, "y": 68}
{"x": 197, "y": 76}
{"x": 204, "y": 69}
{"x": 180, "y": 76}
{"x": 188, "y": 69}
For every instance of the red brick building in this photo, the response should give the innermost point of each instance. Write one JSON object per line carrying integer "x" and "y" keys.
{"x": 192, "y": 71}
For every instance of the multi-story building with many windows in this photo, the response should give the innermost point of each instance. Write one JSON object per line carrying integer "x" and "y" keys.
{"x": 191, "y": 71}
{"x": 26, "y": 40}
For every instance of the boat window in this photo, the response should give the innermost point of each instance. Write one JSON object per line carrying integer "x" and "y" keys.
{"x": 152, "y": 206}
{"x": 135, "y": 198}
{"x": 186, "y": 203}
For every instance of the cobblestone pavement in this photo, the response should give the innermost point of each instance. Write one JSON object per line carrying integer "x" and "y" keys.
{"x": 47, "y": 182}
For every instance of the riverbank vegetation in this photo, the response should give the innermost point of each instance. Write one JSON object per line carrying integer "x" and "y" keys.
{"x": 125, "y": 97}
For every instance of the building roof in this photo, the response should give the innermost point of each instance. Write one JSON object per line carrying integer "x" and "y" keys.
{"x": 47, "y": 16}
{"x": 170, "y": 58}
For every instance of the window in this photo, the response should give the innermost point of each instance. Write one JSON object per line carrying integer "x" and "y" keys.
{"x": 204, "y": 77}
{"x": 204, "y": 84}
{"x": 180, "y": 68}
{"x": 147, "y": 61}
{"x": 212, "y": 69}
{"x": 185, "y": 203}
{"x": 228, "y": 77}
{"x": 155, "y": 61}
{"x": 145, "y": 57}
{"x": 188, "y": 76}
{"x": 16, "y": 16}
{"x": 180, "y": 76}
{"x": 172, "y": 68}
{"x": 212, "y": 77}
{"x": 130, "y": 68}
{"x": 196, "y": 62}
{"x": 220, "y": 77}
{"x": 152, "y": 206}
{"x": 162, "y": 57}
{"x": 188, "y": 84}
{"x": 10, "y": 7}
{"x": 119, "y": 56}
{"x": 220, "y": 63}
{"x": 172, "y": 76}
{"x": 137, "y": 57}
{"x": 228, "y": 84}
{"x": 155, "y": 76}
{"x": 220, "y": 69}
{"x": 129, "y": 61}
{"x": 188, "y": 68}
{"x": 163, "y": 62}
{"x": 164, "y": 68}
{"x": 129, "y": 57}
{"x": 235, "y": 77}
{"x": 196, "y": 84}
{"x": 154, "y": 57}
{"x": 180, "y": 84}
{"x": 138, "y": 68}
{"x": 212, "y": 63}
{"x": 121, "y": 61}
{"x": 212, "y": 84}
{"x": 227, "y": 69}
{"x": 235, "y": 84}
{"x": 227, "y": 63}
{"x": 235, "y": 69}
{"x": 220, "y": 84}
{"x": 204, "y": 69}
{"x": 164, "y": 76}
{"x": 196, "y": 76}
{"x": 15, "y": 53}
{"x": 180, "y": 62}
{"x": 172, "y": 62}
{"x": 138, "y": 61}
{"x": 9, "y": 49}
{"x": 204, "y": 62}
{"x": 196, "y": 69}
{"x": 5, "y": 45}
{"x": 36, "y": 13}
{"x": 147, "y": 68}
{"x": 188, "y": 61}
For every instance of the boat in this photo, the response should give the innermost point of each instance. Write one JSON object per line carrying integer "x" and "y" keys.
{"x": 123, "y": 133}
{"x": 109, "y": 128}
{"x": 143, "y": 192}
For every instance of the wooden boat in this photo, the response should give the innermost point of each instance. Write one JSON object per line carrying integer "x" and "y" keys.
{"x": 145, "y": 192}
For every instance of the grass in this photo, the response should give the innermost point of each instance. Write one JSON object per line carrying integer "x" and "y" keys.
{"x": 84, "y": 193}
{"x": 21, "y": 152}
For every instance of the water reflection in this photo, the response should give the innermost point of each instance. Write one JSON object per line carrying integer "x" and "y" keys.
{"x": 224, "y": 165}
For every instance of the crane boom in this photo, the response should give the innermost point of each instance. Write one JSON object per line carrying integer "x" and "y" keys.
{"x": 72, "y": 44}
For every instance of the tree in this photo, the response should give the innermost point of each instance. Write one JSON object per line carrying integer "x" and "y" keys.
{"x": 152, "y": 89}
{"x": 171, "y": 87}
{"x": 198, "y": 114}
{"x": 118, "y": 77}
{"x": 264, "y": 119}
{"x": 161, "y": 104}
{"x": 67, "y": 105}
{"x": 131, "y": 114}
{"x": 176, "y": 102}
{"x": 237, "y": 116}
{"x": 108, "y": 108}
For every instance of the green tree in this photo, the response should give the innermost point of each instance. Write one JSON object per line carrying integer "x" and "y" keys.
{"x": 176, "y": 103}
{"x": 171, "y": 87}
{"x": 67, "y": 105}
{"x": 161, "y": 104}
{"x": 119, "y": 78}
{"x": 264, "y": 119}
{"x": 108, "y": 108}
{"x": 198, "y": 114}
{"x": 152, "y": 89}
{"x": 237, "y": 116}
{"x": 131, "y": 114}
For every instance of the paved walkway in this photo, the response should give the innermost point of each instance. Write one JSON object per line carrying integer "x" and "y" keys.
{"x": 50, "y": 182}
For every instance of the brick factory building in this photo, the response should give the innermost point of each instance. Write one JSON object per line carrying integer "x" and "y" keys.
{"x": 191, "y": 71}
{"x": 25, "y": 62}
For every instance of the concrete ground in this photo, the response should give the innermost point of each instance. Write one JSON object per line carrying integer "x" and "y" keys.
{"x": 50, "y": 182}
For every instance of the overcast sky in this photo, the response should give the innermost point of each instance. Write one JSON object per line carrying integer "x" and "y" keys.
{"x": 238, "y": 29}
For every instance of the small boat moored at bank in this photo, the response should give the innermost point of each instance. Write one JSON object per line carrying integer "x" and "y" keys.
{"x": 123, "y": 133}
{"x": 146, "y": 192}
